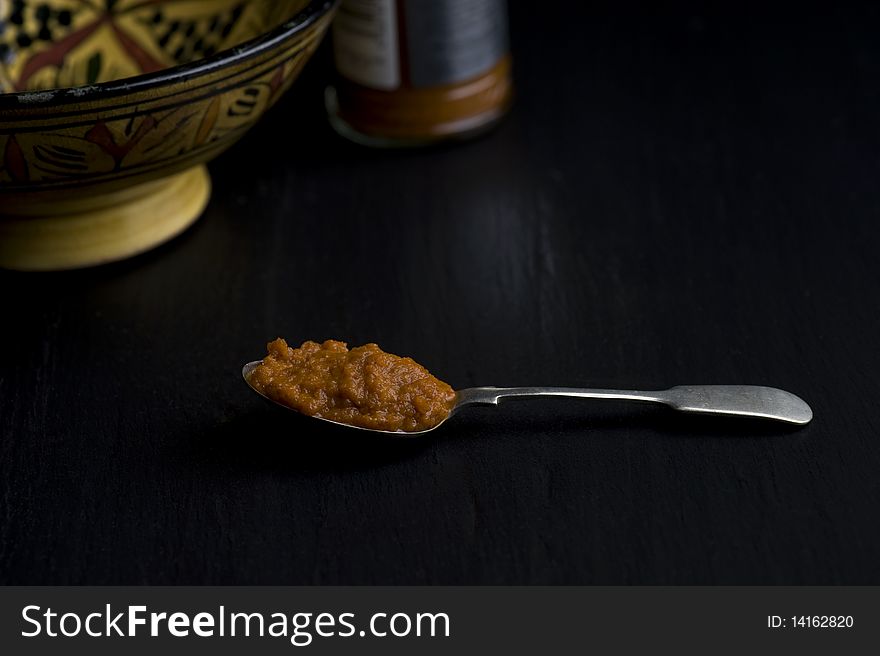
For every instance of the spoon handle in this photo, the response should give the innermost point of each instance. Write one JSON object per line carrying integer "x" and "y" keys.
{"x": 738, "y": 400}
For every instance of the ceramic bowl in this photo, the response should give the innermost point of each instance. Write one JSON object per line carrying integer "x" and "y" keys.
{"x": 110, "y": 108}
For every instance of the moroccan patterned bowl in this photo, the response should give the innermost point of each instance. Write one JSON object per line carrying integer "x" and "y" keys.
{"x": 109, "y": 110}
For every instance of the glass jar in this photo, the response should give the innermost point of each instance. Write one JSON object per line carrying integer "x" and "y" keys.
{"x": 415, "y": 72}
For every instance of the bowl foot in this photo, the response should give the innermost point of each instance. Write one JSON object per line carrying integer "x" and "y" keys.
{"x": 134, "y": 221}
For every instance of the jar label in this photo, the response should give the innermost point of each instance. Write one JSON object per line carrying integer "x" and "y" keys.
{"x": 453, "y": 40}
{"x": 365, "y": 43}
{"x": 385, "y": 44}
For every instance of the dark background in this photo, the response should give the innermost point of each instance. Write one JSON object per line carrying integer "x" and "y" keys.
{"x": 685, "y": 195}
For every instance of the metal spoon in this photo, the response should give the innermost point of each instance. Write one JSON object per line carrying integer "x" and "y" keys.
{"x": 730, "y": 400}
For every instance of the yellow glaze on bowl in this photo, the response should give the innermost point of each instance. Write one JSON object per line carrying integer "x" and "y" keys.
{"x": 112, "y": 107}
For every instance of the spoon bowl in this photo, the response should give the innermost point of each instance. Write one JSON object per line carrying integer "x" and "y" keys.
{"x": 753, "y": 401}
{"x": 247, "y": 369}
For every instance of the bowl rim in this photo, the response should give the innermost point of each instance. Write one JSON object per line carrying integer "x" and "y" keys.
{"x": 304, "y": 18}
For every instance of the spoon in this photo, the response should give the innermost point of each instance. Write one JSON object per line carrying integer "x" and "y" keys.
{"x": 730, "y": 400}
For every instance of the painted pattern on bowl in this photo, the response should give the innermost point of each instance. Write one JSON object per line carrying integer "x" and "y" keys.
{"x": 67, "y": 43}
{"x": 48, "y": 141}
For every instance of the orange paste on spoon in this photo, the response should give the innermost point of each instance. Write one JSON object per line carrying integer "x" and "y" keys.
{"x": 363, "y": 386}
